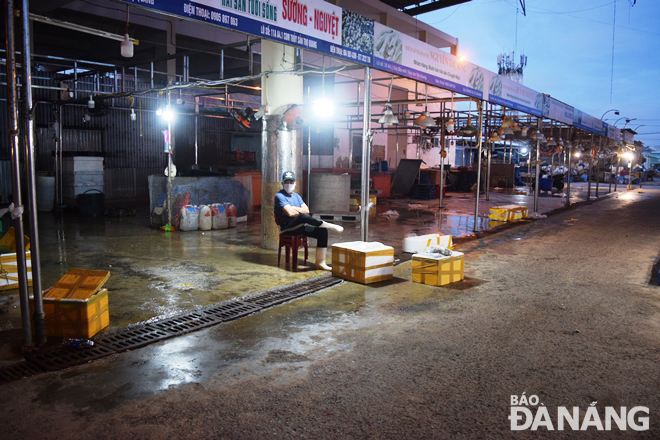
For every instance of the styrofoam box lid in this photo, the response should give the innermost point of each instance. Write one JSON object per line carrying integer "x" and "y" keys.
{"x": 363, "y": 246}
{"x": 438, "y": 256}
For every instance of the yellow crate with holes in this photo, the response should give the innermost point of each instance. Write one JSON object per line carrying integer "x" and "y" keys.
{"x": 77, "y": 305}
{"x": 508, "y": 213}
{"x": 363, "y": 262}
{"x": 438, "y": 271}
{"x": 8, "y": 263}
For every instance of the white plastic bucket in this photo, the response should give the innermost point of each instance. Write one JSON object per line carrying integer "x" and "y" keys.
{"x": 205, "y": 218}
{"x": 45, "y": 193}
{"x": 219, "y": 215}
{"x": 189, "y": 218}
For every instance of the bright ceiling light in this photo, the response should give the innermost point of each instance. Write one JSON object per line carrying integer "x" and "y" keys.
{"x": 523, "y": 151}
{"x": 324, "y": 108}
{"x": 167, "y": 114}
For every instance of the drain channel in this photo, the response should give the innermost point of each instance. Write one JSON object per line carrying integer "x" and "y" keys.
{"x": 157, "y": 330}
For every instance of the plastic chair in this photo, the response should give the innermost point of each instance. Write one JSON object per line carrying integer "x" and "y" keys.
{"x": 291, "y": 244}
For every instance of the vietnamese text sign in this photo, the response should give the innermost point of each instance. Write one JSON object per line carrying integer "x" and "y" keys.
{"x": 311, "y": 24}
{"x": 399, "y": 53}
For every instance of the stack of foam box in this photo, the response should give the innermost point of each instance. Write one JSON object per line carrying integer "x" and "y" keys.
{"x": 363, "y": 262}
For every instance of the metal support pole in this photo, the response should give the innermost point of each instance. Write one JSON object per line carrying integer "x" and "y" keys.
{"x": 309, "y": 148}
{"x": 568, "y": 184}
{"x": 28, "y": 141}
{"x": 591, "y": 165}
{"x": 196, "y": 130}
{"x": 366, "y": 157}
{"x": 12, "y": 125}
{"x": 222, "y": 64}
{"x": 489, "y": 147}
{"x": 609, "y": 188}
{"x": 169, "y": 165}
{"x": 151, "y": 75}
{"x": 630, "y": 174}
{"x": 309, "y": 162}
{"x": 616, "y": 177}
{"x": 186, "y": 68}
{"x": 538, "y": 167}
{"x": 597, "y": 172}
{"x": 75, "y": 80}
{"x": 60, "y": 164}
{"x": 479, "y": 145}
{"x": 442, "y": 170}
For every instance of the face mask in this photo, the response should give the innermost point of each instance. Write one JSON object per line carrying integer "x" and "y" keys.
{"x": 289, "y": 187}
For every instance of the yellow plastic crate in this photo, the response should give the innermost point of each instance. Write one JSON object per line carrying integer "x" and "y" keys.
{"x": 362, "y": 262}
{"x": 437, "y": 271}
{"x": 76, "y": 318}
{"x": 9, "y": 270}
{"x": 508, "y": 213}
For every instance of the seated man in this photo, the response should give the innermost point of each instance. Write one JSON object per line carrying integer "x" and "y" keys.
{"x": 293, "y": 217}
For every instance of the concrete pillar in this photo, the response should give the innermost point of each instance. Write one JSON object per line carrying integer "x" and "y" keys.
{"x": 281, "y": 146}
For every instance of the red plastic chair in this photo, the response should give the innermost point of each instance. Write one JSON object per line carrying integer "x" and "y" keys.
{"x": 291, "y": 244}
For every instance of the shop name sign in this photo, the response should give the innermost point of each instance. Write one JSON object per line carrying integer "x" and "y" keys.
{"x": 311, "y": 24}
{"x": 399, "y": 53}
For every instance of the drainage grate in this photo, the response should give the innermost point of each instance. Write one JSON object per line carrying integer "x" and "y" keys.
{"x": 134, "y": 337}
{"x": 155, "y": 331}
{"x": 231, "y": 310}
{"x": 18, "y": 371}
{"x": 181, "y": 324}
{"x": 66, "y": 357}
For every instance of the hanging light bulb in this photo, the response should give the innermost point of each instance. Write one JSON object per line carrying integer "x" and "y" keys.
{"x": 508, "y": 131}
{"x": 506, "y": 122}
{"x": 450, "y": 124}
{"x": 425, "y": 119}
{"x": 91, "y": 103}
{"x": 469, "y": 130}
{"x": 126, "y": 47}
{"x": 551, "y": 142}
{"x": 540, "y": 137}
{"x": 516, "y": 127}
{"x": 524, "y": 131}
{"x": 133, "y": 115}
{"x": 388, "y": 119}
{"x": 532, "y": 133}
{"x": 494, "y": 137}
{"x": 500, "y": 131}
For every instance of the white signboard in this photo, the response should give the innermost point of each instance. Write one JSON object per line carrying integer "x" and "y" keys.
{"x": 399, "y": 53}
{"x": 557, "y": 110}
{"x": 508, "y": 93}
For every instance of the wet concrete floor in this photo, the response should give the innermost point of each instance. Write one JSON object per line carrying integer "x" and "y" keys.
{"x": 156, "y": 274}
{"x": 553, "y": 308}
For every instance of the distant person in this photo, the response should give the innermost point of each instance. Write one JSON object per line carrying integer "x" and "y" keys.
{"x": 294, "y": 218}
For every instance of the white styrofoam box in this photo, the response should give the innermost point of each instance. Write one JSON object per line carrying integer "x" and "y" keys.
{"x": 419, "y": 243}
{"x": 83, "y": 164}
{"x": 84, "y": 180}
{"x": 364, "y": 262}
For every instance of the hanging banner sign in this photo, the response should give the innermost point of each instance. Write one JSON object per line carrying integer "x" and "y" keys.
{"x": 557, "y": 110}
{"x": 508, "y": 93}
{"x": 588, "y": 123}
{"x": 310, "y": 24}
{"x": 401, "y": 54}
{"x": 613, "y": 132}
